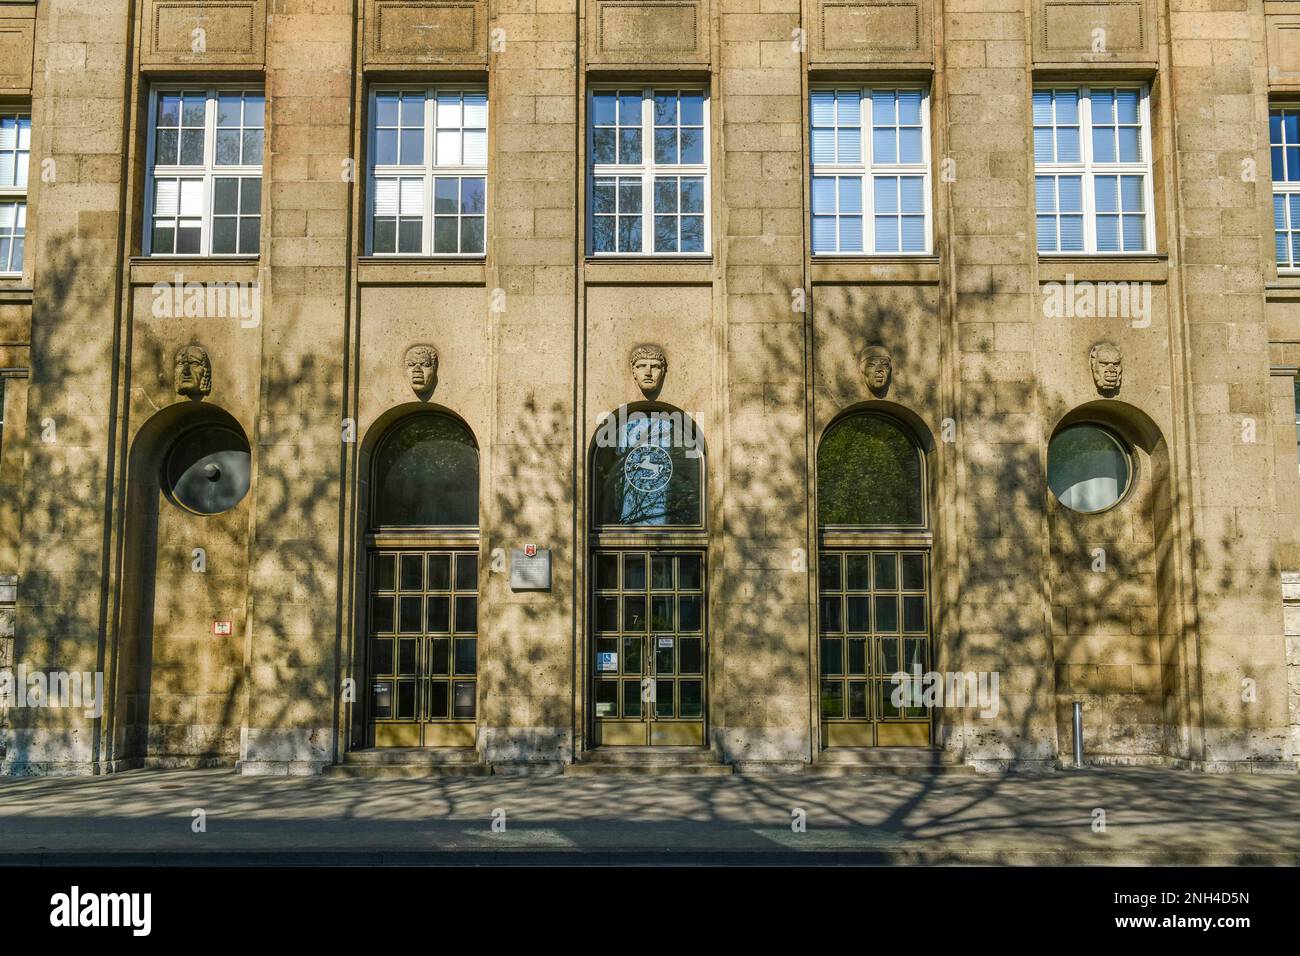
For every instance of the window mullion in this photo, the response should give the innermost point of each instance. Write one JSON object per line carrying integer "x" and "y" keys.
{"x": 866, "y": 119}
{"x": 1086, "y": 183}
{"x": 431, "y": 164}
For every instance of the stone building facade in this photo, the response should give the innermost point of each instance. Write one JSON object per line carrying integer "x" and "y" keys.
{"x": 324, "y": 304}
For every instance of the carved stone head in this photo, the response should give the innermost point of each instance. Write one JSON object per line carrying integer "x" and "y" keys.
{"x": 876, "y": 366}
{"x": 649, "y": 366}
{"x": 193, "y": 371}
{"x": 422, "y": 369}
{"x": 1107, "y": 367}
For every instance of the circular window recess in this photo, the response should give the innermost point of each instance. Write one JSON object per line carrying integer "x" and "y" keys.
{"x": 1088, "y": 468}
{"x": 208, "y": 469}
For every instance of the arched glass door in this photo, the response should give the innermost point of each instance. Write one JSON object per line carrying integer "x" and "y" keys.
{"x": 648, "y": 653}
{"x": 873, "y": 584}
{"x": 422, "y": 644}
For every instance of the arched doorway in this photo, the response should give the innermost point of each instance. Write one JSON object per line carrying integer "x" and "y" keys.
{"x": 873, "y": 582}
{"x": 648, "y": 652}
{"x": 175, "y": 699}
{"x": 422, "y": 564}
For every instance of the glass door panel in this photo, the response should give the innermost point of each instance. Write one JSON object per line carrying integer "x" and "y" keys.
{"x": 648, "y": 648}
{"x": 874, "y": 622}
{"x": 423, "y": 648}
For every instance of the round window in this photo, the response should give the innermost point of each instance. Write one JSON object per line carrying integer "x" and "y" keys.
{"x": 208, "y": 469}
{"x": 1088, "y": 468}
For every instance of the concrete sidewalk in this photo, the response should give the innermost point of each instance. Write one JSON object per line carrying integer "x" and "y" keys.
{"x": 1151, "y": 817}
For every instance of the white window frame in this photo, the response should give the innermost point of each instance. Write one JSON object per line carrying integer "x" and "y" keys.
{"x": 428, "y": 172}
{"x": 868, "y": 169}
{"x": 1088, "y": 170}
{"x": 17, "y": 195}
{"x": 1283, "y": 187}
{"x": 647, "y": 169}
{"x": 208, "y": 172}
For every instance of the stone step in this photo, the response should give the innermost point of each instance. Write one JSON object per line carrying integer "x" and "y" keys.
{"x": 886, "y": 760}
{"x": 667, "y": 761}
{"x": 403, "y": 762}
{"x": 648, "y": 769}
{"x": 400, "y": 771}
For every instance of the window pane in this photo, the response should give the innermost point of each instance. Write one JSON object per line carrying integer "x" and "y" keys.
{"x": 909, "y": 146}
{"x": 869, "y": 445}
{"x": 191, "y": 147}
{"x": 691, "y": 108}
{"x": 411, "y": 147}
{"x": 1067, "y": 145}
{"x": 823, "y": 195}
{"x": 692, "y": 146}
{"x": 1087, "y": 468}
{"x": 823, "y": 234}
{"x": 1071, "y": 233}
{"x": 472, "y": 200}
{"x": 629, "y": 146}
{"x": 225, "y": 196}
{"x": 1044, "y": 144}
{"x": 602, "y": 146}
{"x": 448, "y": 148}
{"x": 386, "y": 147}
{"x": 475, "y": 147}
{"x": 250, "y": 235}
{"x": 446, "y": 193}
{"x": 823, "y": 145}
{"x": 851, "y": 234}
{"x": 822, "y": 107}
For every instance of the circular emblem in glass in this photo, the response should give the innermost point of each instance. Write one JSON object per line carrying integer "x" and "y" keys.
{"x": 648, "y": 468}
{"x": 208, "y": 469}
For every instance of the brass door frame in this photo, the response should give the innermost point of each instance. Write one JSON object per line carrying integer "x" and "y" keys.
{"x": 422, "y": 673}
{"x": 637, "y": 721}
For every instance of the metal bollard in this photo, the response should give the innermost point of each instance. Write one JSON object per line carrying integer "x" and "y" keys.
{"x": 1078, "y": 733}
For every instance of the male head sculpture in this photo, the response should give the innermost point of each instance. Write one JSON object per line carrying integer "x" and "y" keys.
{"x": 422, "y": 369}
{"x": 192, "y": 371}
{"x": 649, "y": 366}
{"x": 1107, "y": 367}
{"x": 876, "y": 366}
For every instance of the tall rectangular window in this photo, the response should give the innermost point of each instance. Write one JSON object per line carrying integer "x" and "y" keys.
{"x": 1284, "y": 147}
{"x": 428, "y": 172}
{"x": 648, "y": 171}
{"x": 1092, "y": 165}
{"x": 870, "y": 170}
{"x": 205, "y": 172}
{"x": 15, "y": 149}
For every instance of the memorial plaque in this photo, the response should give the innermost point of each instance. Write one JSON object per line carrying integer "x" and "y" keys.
{"x": 530, "y": 572}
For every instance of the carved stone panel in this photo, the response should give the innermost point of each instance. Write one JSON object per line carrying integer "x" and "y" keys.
{"x": 1283, "y": 32}
{"x": 17, "y": 28}
{"x": 411, "y": 32}
{"x": 1094, "y": 31}
{"x": 669, "y": 32}
{"x": 872, "y": 31}
{"x": 216, "y": 32}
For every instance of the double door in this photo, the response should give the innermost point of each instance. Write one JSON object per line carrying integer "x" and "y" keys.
{"x": 874, "y": 624}
{"x": 423, "y": 648}
{"x": 649, "y": 648}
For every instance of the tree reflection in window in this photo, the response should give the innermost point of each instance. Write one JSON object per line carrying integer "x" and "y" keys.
{"x": 648, "y": 470}
{"x": 426, "y": 474}
{"x": 869, "y": 475}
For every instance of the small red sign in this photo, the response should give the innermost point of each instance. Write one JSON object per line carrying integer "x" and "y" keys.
{"x": 530, "y": 550}
{"x": 222, "y": 628}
